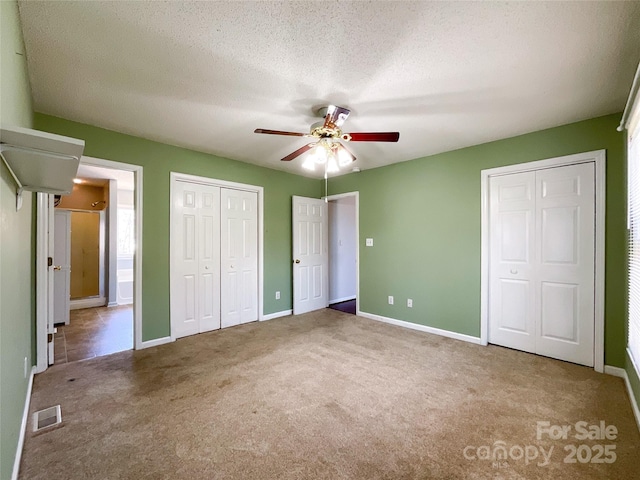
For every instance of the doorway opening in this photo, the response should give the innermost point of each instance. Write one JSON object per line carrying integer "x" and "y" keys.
{"x": 89, "y": 290}
{"x": 343, "y": 252}
{"x": 100, "y": 217}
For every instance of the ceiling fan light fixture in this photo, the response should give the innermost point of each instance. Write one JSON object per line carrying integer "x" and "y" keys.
{"x": 320, "y": 154}
{"x": 332, "y": 165}
{"x": 328, "y": 134}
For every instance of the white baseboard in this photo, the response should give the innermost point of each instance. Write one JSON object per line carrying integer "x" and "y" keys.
{"x": 271, "y": 316}
{"x": 112, "y": 304}
{"x": 622, "y": 373}
{"x": 155, "y": 342}
{"x": 23, "y": 427}
{"x": 343, "y": 299}
{"x": 422, "y": 328}
{"x": 87, "y": 303}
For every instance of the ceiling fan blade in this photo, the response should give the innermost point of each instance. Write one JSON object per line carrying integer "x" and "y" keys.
{"x": 374, "y": 137}
{"x": 346, "y": 151}
{"x": 280, "y": 132}
{"x": 335, "y": 116}
{"x": 298, "y": 152}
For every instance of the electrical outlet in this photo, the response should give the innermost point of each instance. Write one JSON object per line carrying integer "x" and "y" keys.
{"x": 278, "y": 295}
{"x": 369, "y": 242}
{"x": 390, "y": 299}
{"x": 26, "y": 367}
{"x": 409, "y": 303}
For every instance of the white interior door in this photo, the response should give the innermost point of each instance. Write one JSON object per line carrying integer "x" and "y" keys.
{"x": 542, "y": 238}
{"x": 512, "y": 268}
{"x": 310, "y": 255}
{"x": 565, "y": 241}
{"x": 195, "y": 244}
{"x": 62, "y": 266}
{"x": 239, "y": 256}
{"x": 50, "y": 239}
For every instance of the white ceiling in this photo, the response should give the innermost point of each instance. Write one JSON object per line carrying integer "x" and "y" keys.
{"x": 125, "y": 180}
{"x": 446, "y": 75}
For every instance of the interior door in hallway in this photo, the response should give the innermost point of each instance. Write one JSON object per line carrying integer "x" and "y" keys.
{"x": 62, "y": 266}
{"x": 239, "y": 256}
{"x": 195, "y": 244}
{"x": 310, "y": 255}
{"x": 542, "y": 261}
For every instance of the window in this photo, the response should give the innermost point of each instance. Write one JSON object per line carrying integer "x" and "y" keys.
{"x": 126, "y": 222}
{"x": 633, "y": 188}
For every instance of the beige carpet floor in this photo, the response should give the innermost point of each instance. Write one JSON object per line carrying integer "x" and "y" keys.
{"x": 331, "y": 396}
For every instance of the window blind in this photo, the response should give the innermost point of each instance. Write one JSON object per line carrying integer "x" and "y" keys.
{"x": 633, "y": 190}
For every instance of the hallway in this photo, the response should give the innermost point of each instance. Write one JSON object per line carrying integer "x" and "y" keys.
{"x": 93, "y": 332}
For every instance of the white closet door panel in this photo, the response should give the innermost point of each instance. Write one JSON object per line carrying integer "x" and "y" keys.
{"x": 239, "y": 257}
{"x": 209, "y": 259}
{"x": 565, "y": 213}
{"x": 195, "y": 291}
{"x": 184, "y": 271}
{"x": 512, "y": 273}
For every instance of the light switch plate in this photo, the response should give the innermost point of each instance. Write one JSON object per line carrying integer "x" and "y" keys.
{"x": 369, "y": 242}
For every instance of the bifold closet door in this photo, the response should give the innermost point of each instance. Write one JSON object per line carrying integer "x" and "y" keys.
{"x": 542, "y": 259}
{"x": 512, "y": 256}
{"x": 565, "y": 241}
{"x": 195, "y": 275}
{"x": 239, "y": 256}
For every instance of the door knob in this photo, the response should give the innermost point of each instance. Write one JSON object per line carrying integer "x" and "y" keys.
{"x": 297, "y": 261}
{"x": 57, "y": 267}
{"x": 513, "y": 272}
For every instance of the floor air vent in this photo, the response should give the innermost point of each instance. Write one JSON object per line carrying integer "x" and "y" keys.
{"x": 47, "y": 418}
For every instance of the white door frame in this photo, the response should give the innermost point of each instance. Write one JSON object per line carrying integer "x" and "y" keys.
{"x": 598, "y": 157}
{"x": 42, "y": 270}
{"x": 184, "y": 177}
{"x": 355, "y": 194}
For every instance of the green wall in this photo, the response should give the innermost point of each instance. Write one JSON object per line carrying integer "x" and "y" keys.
{"x": 158, "y": 160}
{"x": 424, "y": 216}
{"x": 17, "y": 313}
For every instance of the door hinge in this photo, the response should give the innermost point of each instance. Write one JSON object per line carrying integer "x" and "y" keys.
{"x": 49, "y": 337}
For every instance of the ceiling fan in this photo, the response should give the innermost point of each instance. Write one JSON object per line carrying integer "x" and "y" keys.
{"x": 327, "y": 149}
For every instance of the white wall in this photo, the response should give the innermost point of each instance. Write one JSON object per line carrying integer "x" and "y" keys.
{"x": 342, "y": 249}
{"x": 125, "y": 261}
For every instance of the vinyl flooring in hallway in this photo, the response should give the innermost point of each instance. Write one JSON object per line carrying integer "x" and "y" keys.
{"x": 93, "y": 332}
{"x": 347, "y": 307}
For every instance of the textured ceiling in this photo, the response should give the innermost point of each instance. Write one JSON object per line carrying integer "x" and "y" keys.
{"x": 446, "y": 75}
